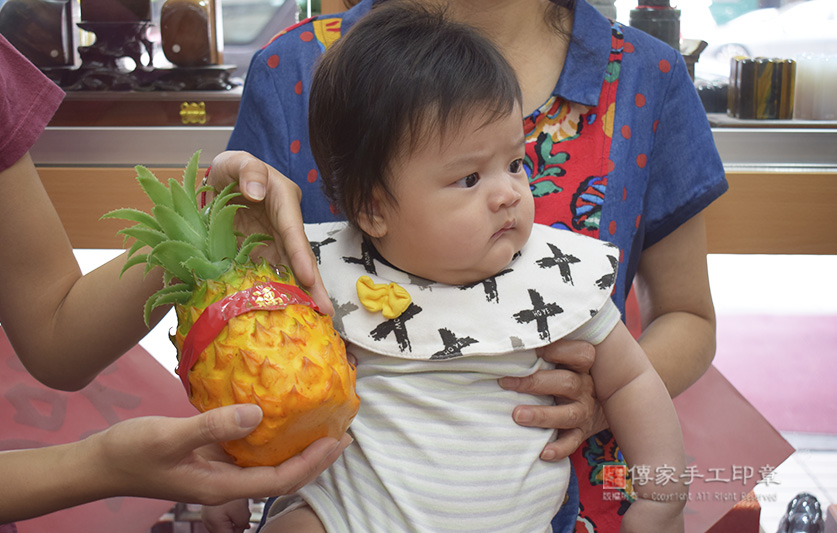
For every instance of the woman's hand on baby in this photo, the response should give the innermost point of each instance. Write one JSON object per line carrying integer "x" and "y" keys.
{"x": 273, "y": 208}
{"x": 576, "y": 413}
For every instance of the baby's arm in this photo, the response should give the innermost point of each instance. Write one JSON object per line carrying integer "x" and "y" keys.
{"x": 642, "y": 417}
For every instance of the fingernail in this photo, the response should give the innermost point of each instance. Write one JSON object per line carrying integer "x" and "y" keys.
{"x": 548, "y": 455}
{"x": 341, "y": 444}
{"x": 255, "y": 190}
{"x": 248, "y": 416}
{"x": 523, "y": 416}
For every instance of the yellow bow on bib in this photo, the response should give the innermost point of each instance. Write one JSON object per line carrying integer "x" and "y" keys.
{"x": 390, "y": 299}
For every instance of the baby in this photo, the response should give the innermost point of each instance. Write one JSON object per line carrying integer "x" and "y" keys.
{"x": 442, "y": 284}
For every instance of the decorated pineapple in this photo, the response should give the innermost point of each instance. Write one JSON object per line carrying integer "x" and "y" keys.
{"x": 246, "y": 332}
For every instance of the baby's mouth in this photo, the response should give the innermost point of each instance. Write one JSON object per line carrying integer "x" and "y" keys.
{"x": 508, "y": 226}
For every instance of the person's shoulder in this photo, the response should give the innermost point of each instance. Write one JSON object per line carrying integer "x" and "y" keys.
{"x": 292, "y": 41}
{"x": 291, "y": 54}
{"x": 642, "y": 47}
{"x": 319, "y": 31}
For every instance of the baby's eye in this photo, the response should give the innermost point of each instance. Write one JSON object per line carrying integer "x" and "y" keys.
{"x": 516, "y": 166}
{"x": 469, "y": 181}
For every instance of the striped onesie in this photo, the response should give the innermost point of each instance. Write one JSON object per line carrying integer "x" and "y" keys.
{"x": 435, "y": 447}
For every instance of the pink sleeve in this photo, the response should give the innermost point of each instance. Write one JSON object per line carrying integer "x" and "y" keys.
{"x": 28, "y": 99}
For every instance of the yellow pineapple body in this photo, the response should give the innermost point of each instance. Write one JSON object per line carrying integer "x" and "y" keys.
{"x": 246, "y": 333}
{"x": 290, "y": 362}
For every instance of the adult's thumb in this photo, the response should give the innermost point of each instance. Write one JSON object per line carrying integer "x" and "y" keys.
{"x": 248, "y": 416}
{"x": 228, "y": 423}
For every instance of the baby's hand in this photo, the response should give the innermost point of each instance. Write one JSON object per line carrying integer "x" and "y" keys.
{"x": 658, "y": 516}
{"x": 230, "y": 517}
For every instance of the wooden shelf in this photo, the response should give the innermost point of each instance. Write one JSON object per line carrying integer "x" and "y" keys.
{"x": 82, "y": 195}
{"x": 763, "y": 212}
{"x": 782, "y": 197}
{"x": 722, "y": 120}
{"x": 157, "y": 108}
{"x": 775, "y": 213}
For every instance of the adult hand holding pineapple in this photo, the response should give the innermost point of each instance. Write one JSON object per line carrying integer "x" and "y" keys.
{"x": 277, "y": 212}
{"x": 246, "y": 332}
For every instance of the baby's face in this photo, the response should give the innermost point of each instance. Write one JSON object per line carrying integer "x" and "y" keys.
{"x": 464, "y": 206}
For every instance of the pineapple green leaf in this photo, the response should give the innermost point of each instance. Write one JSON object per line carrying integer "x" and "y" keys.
{"x": 255, "y": 237}
{"x": 226, "y": 195}
{"x": 156, "y": 191}
{"x": 222, "y": 243}
{"x": 180, "y": 297}
{"x": 187, "y": 241}
{"x": 180, "y": 291}
{"x": 133, "y": 215}
{"x": 204, "y": 269}
{"x": 171, "y": 255}
{"x": 250, "y": 242}
{"x": 167, "y": 299}
{"x": 148, "y": 237}
{"x": 221, "y": 200}
{"x": 185, "y": 203}
{"x": 135, "y": 248}
{"x": 171, "y": 288}
{"x": 190, "y": 175}
{"x": 177, "y": 228}
{"x": 135, "y": 260}
{"x": 150, "y": 302}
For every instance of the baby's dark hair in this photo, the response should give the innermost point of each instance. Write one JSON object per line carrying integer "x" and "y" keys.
{"x": 404, "y": 73}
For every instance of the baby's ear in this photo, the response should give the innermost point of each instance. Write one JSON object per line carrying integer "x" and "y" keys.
{"x": 371, "y": 219}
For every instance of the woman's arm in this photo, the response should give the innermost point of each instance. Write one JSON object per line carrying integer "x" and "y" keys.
{"x": 65, "y": 327}
{"x": 678, "y": 317}
{"x": 175, "y": 459}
